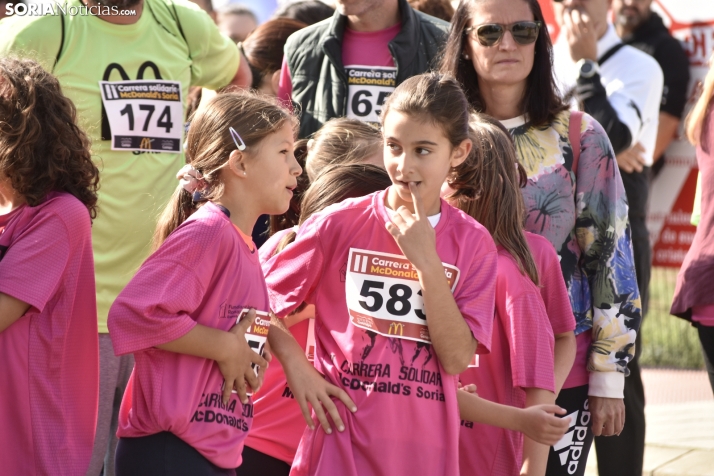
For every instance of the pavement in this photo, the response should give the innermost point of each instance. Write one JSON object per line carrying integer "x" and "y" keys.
{"x": 680, "y": 424}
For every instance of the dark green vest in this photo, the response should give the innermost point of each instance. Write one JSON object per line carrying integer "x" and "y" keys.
{"x": 314, "y": 56}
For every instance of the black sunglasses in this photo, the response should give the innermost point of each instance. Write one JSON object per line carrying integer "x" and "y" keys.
{"x": 489, "y": 34}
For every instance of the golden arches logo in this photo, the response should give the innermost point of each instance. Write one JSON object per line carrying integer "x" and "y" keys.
{"x": 145, "y": 143}
{"x": 395, "y": 327}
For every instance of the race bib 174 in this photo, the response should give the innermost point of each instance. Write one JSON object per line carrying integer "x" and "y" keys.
{"x": 144, "y": 114}
{"x": 384, "y": 296}
{"x": 368, "y": 87}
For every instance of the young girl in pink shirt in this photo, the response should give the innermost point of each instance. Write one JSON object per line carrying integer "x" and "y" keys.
{"x": 375, "y": 267}
{"x": 522, "y": 369}
{"x": 278, "y": 423}
{"x": 49, "y": 375}
{"x": 187, "y": 410}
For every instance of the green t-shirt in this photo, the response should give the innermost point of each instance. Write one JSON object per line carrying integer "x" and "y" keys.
{"x": 135, "y": 186}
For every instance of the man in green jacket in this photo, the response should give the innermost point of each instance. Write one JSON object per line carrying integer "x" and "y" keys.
{"x": 348, "y": 65}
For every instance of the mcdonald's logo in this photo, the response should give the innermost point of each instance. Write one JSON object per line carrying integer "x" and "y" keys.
{"x": 395, "y": 327}
{"x": 145, "y": 143}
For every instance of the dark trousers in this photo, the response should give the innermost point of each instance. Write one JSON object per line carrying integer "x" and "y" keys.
{"x": 256, "y": 463}
{"x": 623, "y": 455}
{"x": 706, "y": 337}
{"x": 569, "y": 456}
{"x": 163, "y": 454}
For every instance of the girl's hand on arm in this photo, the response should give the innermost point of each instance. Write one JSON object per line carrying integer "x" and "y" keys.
{"x": 540, "y": 425}
{"x": 229, "y": 349}
{"x": 537, "y": 422}
{"x": 11, "y": 309}
{"x": 306, "y": 384}
{"x": 535, "y": 455}
{"x": 450, "y": 335}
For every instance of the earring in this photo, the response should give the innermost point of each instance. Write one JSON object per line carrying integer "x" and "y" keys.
{"x": 244, "y": 173}
{"x": 466, "y": 57}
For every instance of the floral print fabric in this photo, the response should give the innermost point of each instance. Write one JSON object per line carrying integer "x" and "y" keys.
{"x": 584, "y": 215}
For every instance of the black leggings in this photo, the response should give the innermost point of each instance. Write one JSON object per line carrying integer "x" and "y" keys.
{"x": 706, "y": 337}
{"x": 256, "y": 463}
{"x": 569, "y": 456}
{"x": 163, "y": 454}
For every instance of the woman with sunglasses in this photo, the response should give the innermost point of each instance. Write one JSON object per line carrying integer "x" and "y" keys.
{"x": 501, "y": 53}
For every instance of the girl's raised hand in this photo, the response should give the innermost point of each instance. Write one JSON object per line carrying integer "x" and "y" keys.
{"x": 414, "y": 234}
{"x": 236, "y": 367}
{"x": 540, "y": 424}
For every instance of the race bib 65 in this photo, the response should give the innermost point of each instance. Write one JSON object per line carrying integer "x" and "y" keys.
{"x": 368, "y": 88}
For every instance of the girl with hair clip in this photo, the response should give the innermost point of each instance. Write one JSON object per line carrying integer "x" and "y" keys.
{"x": 278, "y": 425}
{"x": 187, "y": 410}
{"x": 48, "y": 315}
{"x": 375, "y": 267}
{"x": 522, "y": 369}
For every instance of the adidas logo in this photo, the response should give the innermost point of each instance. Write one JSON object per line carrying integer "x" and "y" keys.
{"x": 570, "y": 446}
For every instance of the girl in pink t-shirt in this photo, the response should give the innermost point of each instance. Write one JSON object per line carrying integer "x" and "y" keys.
{"x": 187, "y": 410}
{"x": 49, "y": 374}
{"x": 278, "y": 423}
{"x": 521, "y": 369}
{"x": 375, "y": 267}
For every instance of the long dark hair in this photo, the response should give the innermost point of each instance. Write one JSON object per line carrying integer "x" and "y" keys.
{"x": 488, "y": 189}
{"x": 263, "y": 48}
{"x": 41, "y": 147}
{"x": 542, "y": 100}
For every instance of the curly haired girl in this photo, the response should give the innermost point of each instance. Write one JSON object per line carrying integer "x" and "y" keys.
{"x": 48, "y": 317}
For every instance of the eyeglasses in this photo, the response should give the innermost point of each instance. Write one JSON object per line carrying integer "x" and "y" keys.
{"x": 490, "y": 34}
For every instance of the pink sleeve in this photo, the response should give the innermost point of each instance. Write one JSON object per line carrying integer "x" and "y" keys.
{"x": 293, "y": 274}
{"x": 555, "y": 296}
{"x": 531, "y": 342}
{"x": 285, "y": 87}
{"x": 154, "y": 308}
{"x": 475, "y": 297}
{"x": 35, "y": 261}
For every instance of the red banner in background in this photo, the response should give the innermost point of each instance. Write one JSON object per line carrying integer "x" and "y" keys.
{"x": 672, "y": 192}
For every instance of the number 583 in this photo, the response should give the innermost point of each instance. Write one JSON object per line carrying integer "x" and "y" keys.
{"x": 398, "y": 303}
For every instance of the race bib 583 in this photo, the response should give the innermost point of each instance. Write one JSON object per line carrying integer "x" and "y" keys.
{"x": 384, "y": 295}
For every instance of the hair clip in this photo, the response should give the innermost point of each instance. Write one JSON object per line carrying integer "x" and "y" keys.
{"x": 236, "y": 137}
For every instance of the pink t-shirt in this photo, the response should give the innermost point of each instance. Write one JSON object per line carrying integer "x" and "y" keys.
{"x": 50, "y": 372}
{"x": 346, "y": 263}
{"x": 552, "y": 285}
{"x": 366, "y": 48}
{"x": 704, "y": 315}
{"x": 278, "y": 423}
{"x": 557, "y": 304}
{"x": 521, "y": 357}
{"x": 203, "y": 274}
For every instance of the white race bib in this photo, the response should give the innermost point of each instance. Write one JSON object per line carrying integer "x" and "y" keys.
{"x": 144, "y": 114}
{"x": 368, "y": 87}
{"x": 384, "y": 295}
{"x": 310, "y": 347}
{"x": 257, "y": 333}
